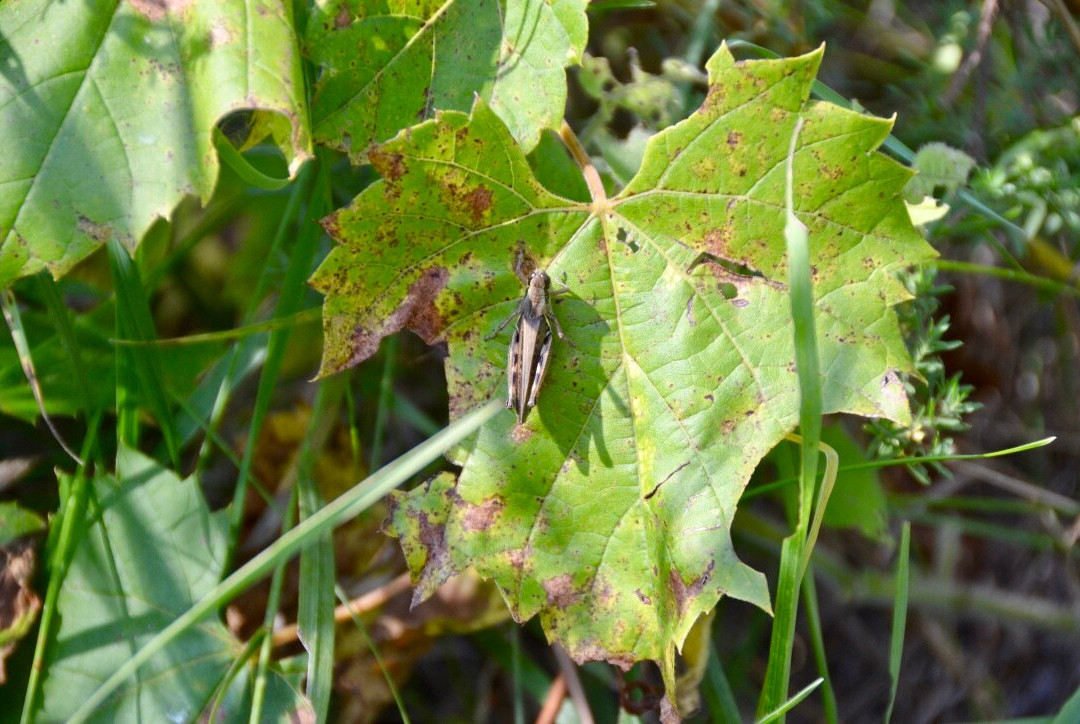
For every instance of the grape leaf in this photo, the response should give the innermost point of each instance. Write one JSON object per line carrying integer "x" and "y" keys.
{"x": 389, "y": 63}
{"x": 608, "y": 512}
{"x": 115, "y": 103}
{"x": 152, "y": 550}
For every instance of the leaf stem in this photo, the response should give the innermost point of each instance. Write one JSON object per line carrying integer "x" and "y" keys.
{"x": 588, "y": 170}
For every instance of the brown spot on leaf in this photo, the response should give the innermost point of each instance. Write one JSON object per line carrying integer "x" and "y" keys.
{"x": 560, "y": 591}
{"x": 481, "y": 517}
{"x": 156, "y": 10}
{"x": 100, "y": 233}
{"x": 390, "y": 166}
{"x": 683, "y": 592}
{"x": 520, "y": 434}
{"x": 416, "y": 312}
{"x": 733, "y": 139}
{"x": 586, "y": 651}
{"x": 343, "y": 18}
{"x": 717, "y": 240}
{"x": 642, "y": 597}
{"x": 479, "y": 200}
{"x": 516, "y": 557}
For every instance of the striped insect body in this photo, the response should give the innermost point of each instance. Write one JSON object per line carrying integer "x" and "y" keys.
{"x": 530, "y": 346}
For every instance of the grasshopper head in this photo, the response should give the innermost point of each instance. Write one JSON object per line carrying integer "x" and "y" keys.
{"x": 539, "y": 280}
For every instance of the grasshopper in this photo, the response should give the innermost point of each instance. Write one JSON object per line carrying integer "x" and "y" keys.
{"x": 530, "y": 347}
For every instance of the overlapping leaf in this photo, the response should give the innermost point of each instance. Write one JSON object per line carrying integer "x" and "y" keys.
{"x": 608, "y": 512}
{"x": 108, "y": 108}
{"x": 152, "y": 550}
{"x": 390, "y": 63}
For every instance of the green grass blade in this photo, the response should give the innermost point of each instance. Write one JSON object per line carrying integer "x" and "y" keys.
{"x": 135, "y": 322}
{"x": 517, "y": 688}
{"x": 402, "y": 712}
{"x": 386, "y": 394}
{"x": 61, "y": 319}
{"x": 759, "y": 490}
{"x": 214, "y": 393}
{"x": 349, "y": 505}
{"x": 69, "y": 520}
{"x": 315, "y": 614}
{"x": 273, "y": 603}
{"x": 810, "y": 410}
{"x": 250, "y": 647}
{"x": 778, "y": 713}
{"x": 717, "y": 691}
{"x": 899, "y": 621}
{"x": 22, "y": 346}
{"x": 293, "y": 289}
{"x": 1043, "y": 284}
{"x": 817, "y": 645}
{"x": 778, "y": 669}
{"x": 307, "y": 316}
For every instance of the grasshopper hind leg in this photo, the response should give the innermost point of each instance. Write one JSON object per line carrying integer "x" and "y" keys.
{"x": 513, "y": 369}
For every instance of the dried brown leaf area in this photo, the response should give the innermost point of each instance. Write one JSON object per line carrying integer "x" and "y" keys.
{"x": 608, "y": 512}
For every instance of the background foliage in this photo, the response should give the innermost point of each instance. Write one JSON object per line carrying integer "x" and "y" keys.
{"x": 171, "y": 162}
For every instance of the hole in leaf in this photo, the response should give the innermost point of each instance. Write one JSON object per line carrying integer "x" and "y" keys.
{"x": 732, "y": 267}
{"x": 625, "y": 237}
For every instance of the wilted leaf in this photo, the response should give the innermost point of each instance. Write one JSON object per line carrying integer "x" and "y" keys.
{"x": 19, "y": 604}
{"x": 115, "y": 103}
{"x": 937, "y": 166}
{"x": 608, "y": 512}
{"x": 390, "y": 64}
{"x": 151, "y": 551}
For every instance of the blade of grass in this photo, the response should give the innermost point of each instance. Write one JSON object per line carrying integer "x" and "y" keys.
{"x": 778, "y": 713}
{"x": 135, "y": 322}
{"x": 61, "y": 320}
{"x": 411, "y": 414}
{"x": 717, "y": 691}
{"x": 343, "y": 508}
{"x": 534, "y": 680}
{"x": 386, "y": 393}
{"x": 375, "y": 653}
{"x": 307, "y": 316}
{"x": 232, "y": 370}
{"x": 817, "y": 645}
{"x": 273, "y": 603}
{"x": 759, "y": 490}
{"x": 354, "y": 429}
{"x": 250, "y": 647}
{"x": 315, "y": 613}
{"x": 792, "y": 553}
{"x": 899, "y": 621}
{"x": 224, "y": 449}
{"x": 68, "y": 522}
{"x": 293, "y": 289}
{"x": 1013, "y": 275}
{"x": 18, "y": 336}
{"x": 517, "y": 688}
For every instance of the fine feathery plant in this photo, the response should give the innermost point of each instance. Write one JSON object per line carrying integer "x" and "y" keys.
{"x": 730, "y": 278}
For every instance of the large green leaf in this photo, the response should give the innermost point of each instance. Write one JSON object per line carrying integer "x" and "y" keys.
{"x": 151, "y": 551}
{"x": 108, "y": 109}
{"x": 608, "y": 512}
{"x": 390, "y": 63}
